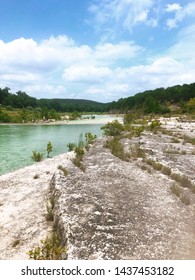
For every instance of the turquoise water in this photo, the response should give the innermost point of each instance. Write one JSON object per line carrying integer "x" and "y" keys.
{"x": 18, "y": 141}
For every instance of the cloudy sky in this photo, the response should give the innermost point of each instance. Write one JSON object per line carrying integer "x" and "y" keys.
{"x": 95, "y": 49}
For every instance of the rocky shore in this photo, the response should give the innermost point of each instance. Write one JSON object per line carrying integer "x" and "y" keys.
{"x": 114, "y": 209}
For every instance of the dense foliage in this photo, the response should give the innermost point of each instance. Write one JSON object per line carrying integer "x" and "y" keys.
{"x": 21, "y": 107}
{"x": 157, "y": 101}
{"x": 23, "y": 100}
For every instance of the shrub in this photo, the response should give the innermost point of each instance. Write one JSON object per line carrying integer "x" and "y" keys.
{"x": 49, "y": 148}
{"x": 71, "y": 146}
{"x": 113, "y": 128}
{"x": 155, "y": 125}
{"x": 37, "y": 156}
{"x": 116, "y": 148}
{"x": 50, "y": 249}
{"x": 77, "y": 161}
{"x": 90, "y": 138}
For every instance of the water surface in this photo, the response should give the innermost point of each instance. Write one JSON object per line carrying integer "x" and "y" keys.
{"x": 18, "y": 141}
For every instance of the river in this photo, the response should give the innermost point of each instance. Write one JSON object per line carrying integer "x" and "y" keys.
{"x": 18, "y": 141}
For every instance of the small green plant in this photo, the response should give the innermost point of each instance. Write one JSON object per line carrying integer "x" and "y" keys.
{"x": 50, "y": 208}
{"x": 50, "y": 249}
{"x": 80, "y": 143}
{"x": 63, "y": 169}
{"x": 116, "y": 148}
{"x": 113, "y": 128}
{"x": 37, "y": 156}
{"x": 71, "y": 146}
{"x": 49, "y": 148}
{"x": 90, "y": 138}
{"x": 155, "y": 125}
{"x": 79, "y": 151}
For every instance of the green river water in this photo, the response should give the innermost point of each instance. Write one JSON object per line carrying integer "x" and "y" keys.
{"x": 18, "y": 141}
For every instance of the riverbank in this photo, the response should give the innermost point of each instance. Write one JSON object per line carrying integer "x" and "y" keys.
{"x": 99, "y": 119}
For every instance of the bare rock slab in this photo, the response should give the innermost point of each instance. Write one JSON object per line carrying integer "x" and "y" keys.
{"x": 115, "y": 210}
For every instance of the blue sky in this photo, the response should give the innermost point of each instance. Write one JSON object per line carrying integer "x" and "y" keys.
{"x": 95, "y": 49}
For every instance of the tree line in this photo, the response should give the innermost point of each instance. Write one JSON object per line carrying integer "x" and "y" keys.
{"x": 158, "y": 101}
{"x": 21, "y": 100}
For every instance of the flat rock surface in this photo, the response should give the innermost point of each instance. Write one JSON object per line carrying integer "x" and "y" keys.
{"x": 116, "y": 210}
{"x": 23, "y": 207}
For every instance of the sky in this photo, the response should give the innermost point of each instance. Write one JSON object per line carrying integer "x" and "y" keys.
{"x": 100, "y": 50}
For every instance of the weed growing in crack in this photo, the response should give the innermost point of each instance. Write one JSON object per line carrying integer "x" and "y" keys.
{"x": 50, "y": 208}
{"x": 50, "y": 249}
{"x": 63, "y": 169}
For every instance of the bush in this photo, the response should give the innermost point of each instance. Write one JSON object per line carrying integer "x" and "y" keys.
{"x": 116, "y": 148}
{"x": 49, "y": 148}
{"x": 49, "y": 250}
{"x": 71, "y": 146}
{"x": 155, "y": 125}
{"x": 90, "y": 138}
{"x": 37, "y": 156}
{"x": 113, "y": 128}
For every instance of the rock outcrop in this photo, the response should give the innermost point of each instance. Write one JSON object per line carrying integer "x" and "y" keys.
{"x": 117, "y": 210}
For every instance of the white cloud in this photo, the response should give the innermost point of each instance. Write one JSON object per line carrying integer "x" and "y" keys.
{"x": 126, "y": 13}
{"x": 86, "y": 74}
{"x": 38, "y": 68}
{"x": 173, "y": 7}
{"x": 58, "y": 67}
{"x": 180, "y": 13}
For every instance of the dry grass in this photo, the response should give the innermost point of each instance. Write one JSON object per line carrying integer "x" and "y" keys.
{"x": 177, "y": 190}
{"x": 63, "y": 169}
{"x": 166, "y": 170}
{"x": 117, "y": 149}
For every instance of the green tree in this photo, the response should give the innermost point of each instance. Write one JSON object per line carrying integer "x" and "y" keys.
{"x": 49, "y": 148}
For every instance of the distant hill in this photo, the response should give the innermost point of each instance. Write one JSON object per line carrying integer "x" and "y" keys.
{"x": 71, "y": 105}
{"x": 23, "y": 100}
{"x": 159, "y": 100}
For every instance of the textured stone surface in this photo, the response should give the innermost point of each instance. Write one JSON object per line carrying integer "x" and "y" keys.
{"x": 23, "y": 207}
{"x": 115, "y": 210}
